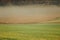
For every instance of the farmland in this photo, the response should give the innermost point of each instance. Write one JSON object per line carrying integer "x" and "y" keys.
{"x": 30, "y": 31}
{"x": 16, "y": 22}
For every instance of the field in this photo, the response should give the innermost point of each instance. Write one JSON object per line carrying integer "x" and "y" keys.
{"x": 29, "y": 31}
{"x": 16, "y": 22}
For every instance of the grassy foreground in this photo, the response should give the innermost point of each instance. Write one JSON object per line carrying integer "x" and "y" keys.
{"x": 29, "y": 31}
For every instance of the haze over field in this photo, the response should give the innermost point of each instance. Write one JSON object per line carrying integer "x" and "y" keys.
{"x": 28, "y": 14}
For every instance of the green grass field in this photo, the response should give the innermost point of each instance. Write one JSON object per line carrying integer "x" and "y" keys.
{"x": 29, "y": 31}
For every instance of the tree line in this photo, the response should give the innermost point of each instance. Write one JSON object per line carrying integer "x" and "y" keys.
{"x": 22, "y": 2}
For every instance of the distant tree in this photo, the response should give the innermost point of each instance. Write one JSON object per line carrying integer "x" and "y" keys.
{"x": 19, "y": 2}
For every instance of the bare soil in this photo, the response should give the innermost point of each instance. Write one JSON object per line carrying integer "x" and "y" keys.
{"x": 28, "y": 13}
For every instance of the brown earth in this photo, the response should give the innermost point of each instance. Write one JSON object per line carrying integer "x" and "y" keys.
{"x": 28, "y": 14}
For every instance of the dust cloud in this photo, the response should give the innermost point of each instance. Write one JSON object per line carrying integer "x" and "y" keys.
{"x": 28, "y": 13}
